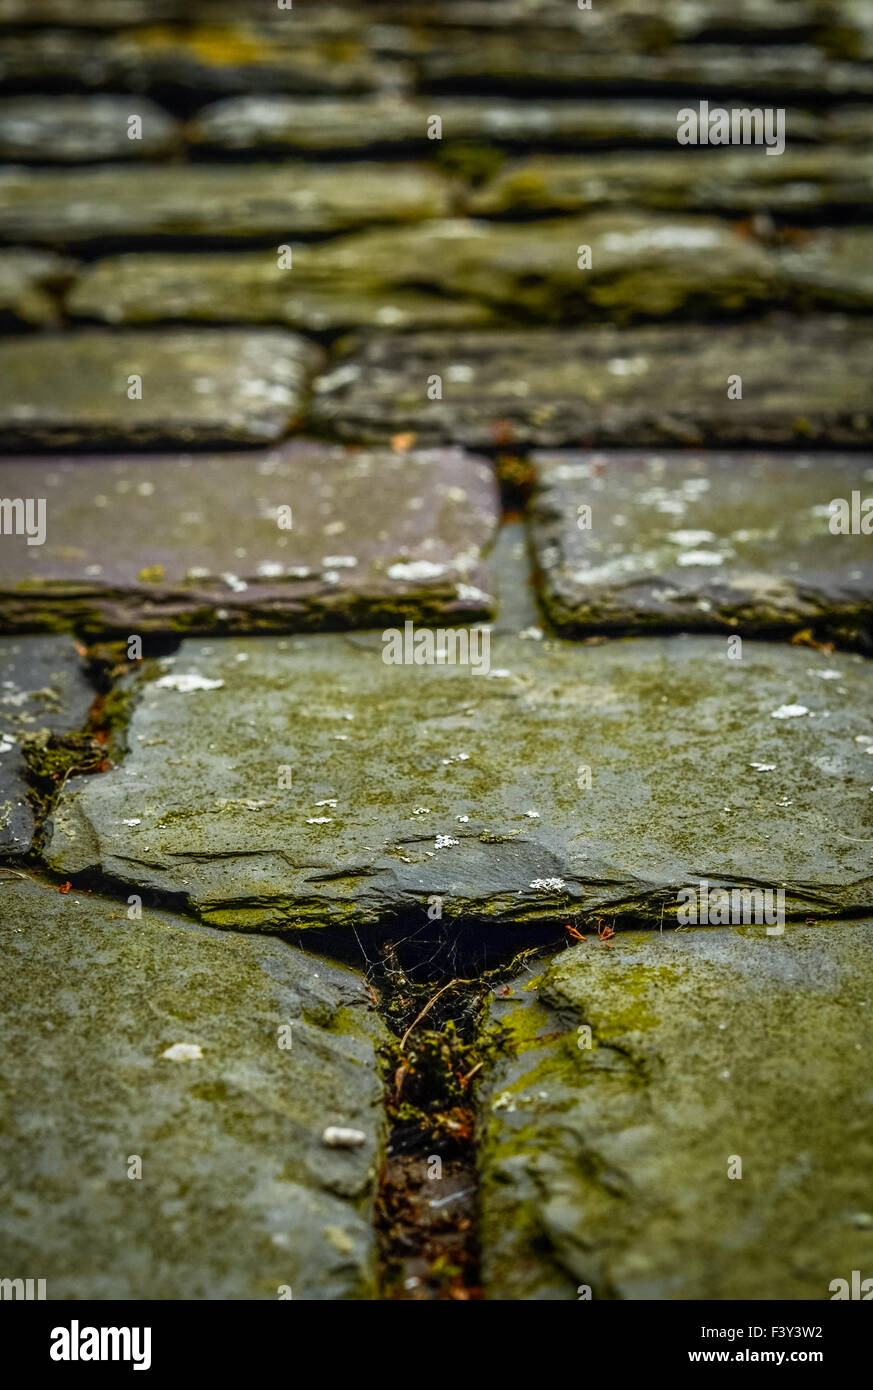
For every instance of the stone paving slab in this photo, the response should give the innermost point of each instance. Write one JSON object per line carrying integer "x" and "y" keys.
{"x": 706, "y": 542}
{"x": 655, "y": 385}
{"x": 290, "y": 124}
{"x": 206, "y": 203}
{"x": 459, "y": 273}
{"x": 408, "y": 781}
{"x": 63, "y": 129}
{"x": 609, "y": 1166}
{"x": 158, "y": 1039}
{"x": 192, "y": 64}
{"x": 31, "y": 283}
{"x": 43, "y": 690}
{"x": 549, "y": 60}
{"x": 809, "y": 183}
{"x": 194, "y": 542}
{"x": 322, "y": 291}
{"x": 198, "y": 388}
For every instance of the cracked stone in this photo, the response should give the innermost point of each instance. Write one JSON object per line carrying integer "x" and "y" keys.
{"x": 609, "y": 1165}
{"x": 198, "y": 388}
{"x": 221, "y": 827}
{"x": 210, "y": 202}
{"x": 42, "y": 690}
{"x": 63, "y": 129}
{"x": 713, "y": 541}
{"x": 653, "y": 385}
{"x": 158, "y": 1039}
{"x": 199, "y": 542}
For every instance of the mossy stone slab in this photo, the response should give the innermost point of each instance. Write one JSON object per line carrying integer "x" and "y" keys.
{"x": 805, "y": 380}
{"x": 811, "y": 184}
{"x": 295, "y": 538}
{"x": 702, "y": 541}
{"x": 157, "y": 1039}
{"x": 119, "y": 204}
{"x": 43, "y": 691}
{"x": 196, "y": 388}
{"x": 680, "y": 1116}
{"x": 307, "y": 782}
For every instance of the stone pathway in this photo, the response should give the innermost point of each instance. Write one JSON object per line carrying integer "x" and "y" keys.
{"x": 436, "y": 614}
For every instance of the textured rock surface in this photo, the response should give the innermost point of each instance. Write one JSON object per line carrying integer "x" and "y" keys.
{"x": 238, "y": 1195}
{"x": 81, "y": 130}
{"x": 460, "y": 273}
{"x": 280, "y": 123}
{"x": 197, "y": 388}
{"x": 30, "y": 286}
{"x": 608, "y": 1165}
{"x": 701, "y": 541}
{"x": 651, "y": 385}
{"x": 210, "y": 202}
{"x": 808, "y": 183}
{"x": 43, "y": 691}
{"x": 193, "y": 542}
{"x": 388, "y": 759}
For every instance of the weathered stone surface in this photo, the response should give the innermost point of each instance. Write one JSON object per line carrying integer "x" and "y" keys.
{"x": 650, "y": 385}
{"x": 812, "y": 182}
{"x": 832, "y": 268}
{"x": 42, "y": 688}
{"x": 414, "y": 780}
{"x": 188, "y": 63}
{"x": 460, "y": 273}
{"x": 211, "y": 202}
{"x": 193, "y": 542}
{"x": 543, "y": 59}
{"x": 238, "y": 1194}
{"x": 30, "y": 286}
{"x": 610, "y": 1165}
{"x": 282, "y": 123}
{"x": 706, "y": 542}
{"x": 198, "y": 388}
{"x": 331, "y": 286}
{"x": 82, "y": 130}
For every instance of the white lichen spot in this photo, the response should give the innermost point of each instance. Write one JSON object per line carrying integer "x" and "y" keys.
{"x": 421, "y": 811}
{"x": 416, "y": 569}
{"x": 789, "y": 712}
{"x": 700, "y": 557}
{"x": 187, "y": 682}
{"x": 533, "y": 815}
{"x": 548, "y": 885}
{"x": 341, "y": 1137}
{"x": 531, "y": 634}
{"x": 234, "y": 582}
{"x": 444, "y": 842}
{"x": 183, "y": 1052}
{"x": 763, "y": 767}
{"x": 134, "y": 820}
{"x": 320, "y": 820}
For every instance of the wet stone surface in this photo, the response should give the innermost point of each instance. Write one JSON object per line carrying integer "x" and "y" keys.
{"x": 609, "y": 1157}
{"x": 43, "y": 691}
{"x": 302, "y": 536}
{"x": 210, "y": 202}
{"x": 713, "y": 541}
{"x": 654, "y": 385}
{"x": 305, "y": 781}
{"x": 159, "y": 1040}
{"x": 196, "y": 388}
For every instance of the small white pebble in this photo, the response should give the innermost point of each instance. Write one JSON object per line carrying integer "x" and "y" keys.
{"x": 183, "y": 1052}
{"x": 338, "y": 1137}
{"x": 789, "y": 712}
